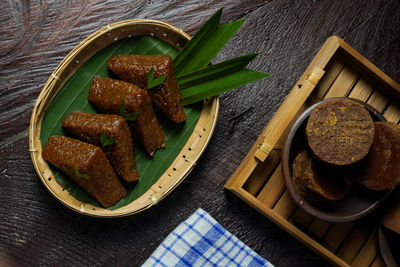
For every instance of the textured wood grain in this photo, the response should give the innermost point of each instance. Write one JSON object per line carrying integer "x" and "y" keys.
{"x": 36, "y": 35}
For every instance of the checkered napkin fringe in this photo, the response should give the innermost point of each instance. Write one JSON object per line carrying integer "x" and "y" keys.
{"x": 202, "y": 241}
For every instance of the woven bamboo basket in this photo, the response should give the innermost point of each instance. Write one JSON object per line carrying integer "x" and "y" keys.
{"x": 336, "y": 71}
{"x": 183, "y": 163}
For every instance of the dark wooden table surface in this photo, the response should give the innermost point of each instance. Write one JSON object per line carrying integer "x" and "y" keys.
{"x": 35, "y": 229}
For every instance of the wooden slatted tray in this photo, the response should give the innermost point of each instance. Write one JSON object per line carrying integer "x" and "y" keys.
{"x": 336, "y": 70}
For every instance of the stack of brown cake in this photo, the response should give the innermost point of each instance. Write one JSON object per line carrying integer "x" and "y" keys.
{"x": 346, "y": 145}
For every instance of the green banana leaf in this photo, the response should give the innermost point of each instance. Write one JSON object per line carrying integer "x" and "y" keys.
{"x": 73, "y": 96}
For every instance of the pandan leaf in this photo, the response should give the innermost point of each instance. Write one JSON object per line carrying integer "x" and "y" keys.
{"x": 106, "y": 141}
{"x": 80, "y": 175}
{"x": 197, "y": 78}
{"x": 215, "y": 71}
{"x": 220, "y": 84}
{"x": 128, "y": 117}
{"x": 151, "y": 82}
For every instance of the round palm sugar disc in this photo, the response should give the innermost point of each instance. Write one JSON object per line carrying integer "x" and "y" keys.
{"x": 340, "y": 131}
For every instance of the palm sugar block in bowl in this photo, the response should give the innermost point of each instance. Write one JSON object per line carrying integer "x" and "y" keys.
{"x": 381, "y": 167}
{"x": 340, "y": 132}
{"x": 86, "y": 165}
{"x": 316, "y": 182}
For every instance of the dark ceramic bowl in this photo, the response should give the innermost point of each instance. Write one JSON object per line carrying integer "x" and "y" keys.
{"x": 358, "y": 203}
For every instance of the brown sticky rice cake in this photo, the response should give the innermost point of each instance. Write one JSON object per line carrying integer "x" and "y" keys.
{"x": 87, "y": 165}
{"x": 316, "y": 182}
{"x": 88, "y": 127}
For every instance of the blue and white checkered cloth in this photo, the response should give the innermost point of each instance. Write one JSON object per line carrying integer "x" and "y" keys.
{"x": 202, "y": 241}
